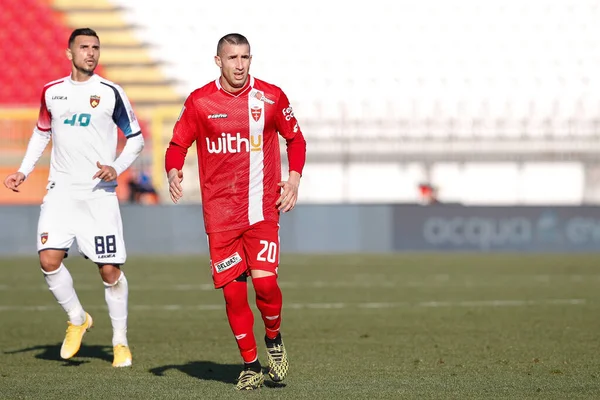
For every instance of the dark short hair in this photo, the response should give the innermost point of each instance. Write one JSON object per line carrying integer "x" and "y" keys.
{"x": 82, "y": 32}
{"x": 232, "y": 38}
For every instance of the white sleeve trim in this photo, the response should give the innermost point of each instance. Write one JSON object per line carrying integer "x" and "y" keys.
{"x": 37, "y": 144}
{"x": 130, "y": 152}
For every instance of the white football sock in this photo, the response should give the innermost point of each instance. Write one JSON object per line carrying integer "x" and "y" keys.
{"x": 116, "y": 295}
{"x": 60, "y": 283}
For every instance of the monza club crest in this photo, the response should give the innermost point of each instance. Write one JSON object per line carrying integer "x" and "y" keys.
{"x": 94, "y": 101}
{"x": 44, "y": 237}
{"x": 256, "y": 111}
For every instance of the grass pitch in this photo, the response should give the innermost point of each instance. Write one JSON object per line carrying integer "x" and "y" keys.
{"x": 356, "y": 327}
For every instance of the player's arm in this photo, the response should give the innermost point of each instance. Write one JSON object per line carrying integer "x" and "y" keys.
{"x": 37, "y": 144}
{"x": 124, "y": 117}
{"x": 184, "y": 134}
{"x": 288, "y": 128}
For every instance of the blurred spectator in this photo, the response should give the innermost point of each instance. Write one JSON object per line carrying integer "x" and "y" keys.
{"x": 428, "y": 194}
{"x": 141, "y": 190}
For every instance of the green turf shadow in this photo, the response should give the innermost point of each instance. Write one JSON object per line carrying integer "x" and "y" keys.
{"x": 51, "y": 352}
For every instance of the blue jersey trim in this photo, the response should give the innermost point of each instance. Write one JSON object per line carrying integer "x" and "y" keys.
{"x": 120, "y": 116}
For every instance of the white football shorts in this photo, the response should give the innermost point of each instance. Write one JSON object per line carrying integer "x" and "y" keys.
{"x": 94, "y": 221}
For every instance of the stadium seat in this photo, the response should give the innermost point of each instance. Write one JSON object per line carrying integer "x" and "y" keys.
{"x": 22, "y": 86}
{"x": 397, "y": 69}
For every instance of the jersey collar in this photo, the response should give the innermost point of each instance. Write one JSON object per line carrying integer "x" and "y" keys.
{"x": 249, "y": 84}
{"x": 93, "y": 78}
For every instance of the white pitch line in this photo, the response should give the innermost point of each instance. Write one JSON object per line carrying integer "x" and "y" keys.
{"x": 437, "y": 281}
{"x": 328, "y": 306}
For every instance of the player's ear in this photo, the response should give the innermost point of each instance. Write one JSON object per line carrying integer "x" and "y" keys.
{"x": 218, "y": 61}
{"x": 69, "y": 54}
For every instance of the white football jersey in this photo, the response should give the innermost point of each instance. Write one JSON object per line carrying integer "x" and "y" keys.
{"x": 82, "y": 118}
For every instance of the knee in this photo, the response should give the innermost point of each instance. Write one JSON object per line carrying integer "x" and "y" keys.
{"x": 235, "y": 294}
{"x": 110, "y": 273}
{"x": 266, "y": 287}
{"x": 50, "y": 262}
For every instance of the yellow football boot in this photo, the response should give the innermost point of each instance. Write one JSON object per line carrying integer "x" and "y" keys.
{"x": 122, "y": 356}
{"x": 250, "y": 380}
{"x": 75, "y": 333}
{"x": 278, "y": 359}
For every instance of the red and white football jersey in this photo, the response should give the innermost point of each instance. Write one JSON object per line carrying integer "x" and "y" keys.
{"x": 237, "y": 141}
{"x": 82, "y": 118}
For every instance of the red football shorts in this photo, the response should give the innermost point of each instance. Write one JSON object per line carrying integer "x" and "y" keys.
{"x": 233, "y": 253}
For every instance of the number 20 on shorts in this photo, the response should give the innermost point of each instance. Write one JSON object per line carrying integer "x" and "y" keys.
{"x": 268, "y": 251}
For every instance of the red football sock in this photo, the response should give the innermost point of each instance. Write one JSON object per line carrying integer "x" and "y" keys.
{"x": 269, "y": 302}
{"x": 241, "y": 319}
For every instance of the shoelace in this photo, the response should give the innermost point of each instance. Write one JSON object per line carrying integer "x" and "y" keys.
{"x": 120, "y": 351}
{"x": 246, "y": 376}
{"x": 71, "y": 333}
{"x": 276, "y": 353}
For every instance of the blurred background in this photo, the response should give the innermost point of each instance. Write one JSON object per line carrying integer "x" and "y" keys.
{"x": 461, "y": 125}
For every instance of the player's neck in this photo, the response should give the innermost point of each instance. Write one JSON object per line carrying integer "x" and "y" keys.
{"x": 231, "y": 90}
{"x": 78, "y": 76}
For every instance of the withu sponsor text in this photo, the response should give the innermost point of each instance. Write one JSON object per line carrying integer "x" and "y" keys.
{"x": 229, "y": 143}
